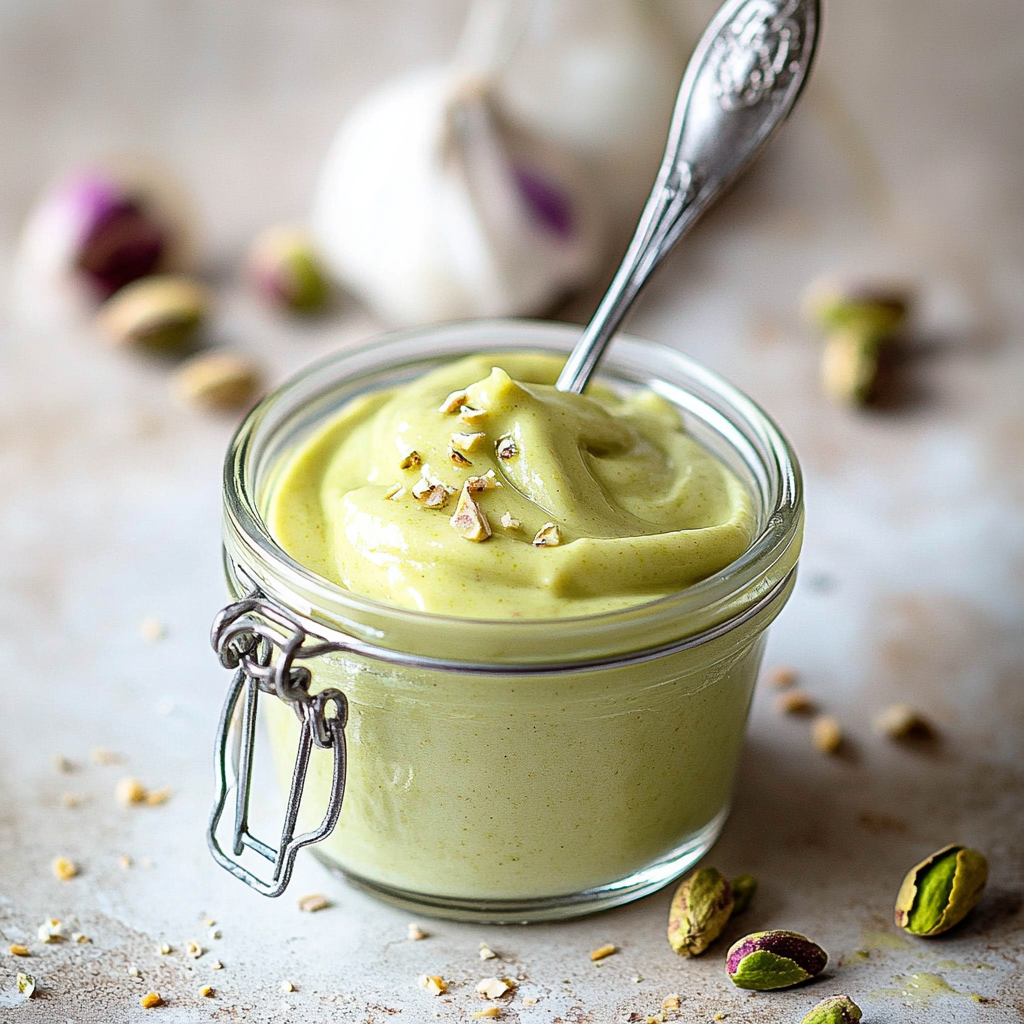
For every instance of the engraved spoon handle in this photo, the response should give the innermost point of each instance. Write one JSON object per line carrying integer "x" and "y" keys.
{"x": 741, "y": 83}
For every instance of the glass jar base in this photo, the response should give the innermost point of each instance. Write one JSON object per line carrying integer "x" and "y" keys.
{"x": 546, "y": 908}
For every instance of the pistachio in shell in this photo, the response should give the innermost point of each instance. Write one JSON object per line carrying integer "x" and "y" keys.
{"x": 162, "y": 313}
{"x": 286, "y": 269}
{"x": 775, "y": 959}
{"x": 701, "y": 907}
{"x": 834, "y": 1010}
{"x": 941, "y": 891}
{"x": 875, "y": 309}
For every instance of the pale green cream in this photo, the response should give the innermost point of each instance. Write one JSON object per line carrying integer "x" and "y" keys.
{"x": 641, "y": 509}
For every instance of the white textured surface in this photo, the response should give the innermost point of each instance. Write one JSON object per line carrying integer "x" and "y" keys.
{"x": 905, "y": 158}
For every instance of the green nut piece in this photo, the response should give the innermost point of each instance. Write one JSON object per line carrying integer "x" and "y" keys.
{"x": 775, "y": 959}
{"x": 162, "y": 312}
{"x": 941, "y": 891}
{"x": 743, "y": 889}
{"x": 287, "y": 270}
{"x": 834, "y": 1010}
{"x": 700, "y": 910}
{"x": 870, "y": 310}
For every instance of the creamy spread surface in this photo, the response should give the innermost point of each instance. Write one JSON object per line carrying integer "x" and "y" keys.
{"x": 480, "y": 491}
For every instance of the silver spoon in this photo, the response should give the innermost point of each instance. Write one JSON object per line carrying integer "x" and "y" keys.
{"x": 741, "y": 83}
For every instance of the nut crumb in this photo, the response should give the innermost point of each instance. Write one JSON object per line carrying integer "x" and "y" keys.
{"x": 17, "y": 949}
{"x": 193, "y": 949}
{"x": 548, "y": 536}
{"x": 64, "y": 765}
{"x": 529, "y": 1001}
{"x": 491, "y": 1011}
{"x": 152, "y": 630}
{"x": 64, "y": 868}
{"x": 453, "y": 402}
{"x": 394, "y": 493}
{"x": 215, "y": 933}
{"x": 216, "y": 966}
{"x": 163, "y": 949}
{"x": 486, "y": 953}
{"x": 158, "y": 796}
{"x": 796, "y": 702}
{"x": 509, "y": 521}
{"x": 412, "y": 461}
{"x": 602, "y": 951}
{"x": 217, "y": 381}
{"x": 151, "y": 999}
{"x": 902, "y": 722}
{"x": 101, "y": 756}
{"x": 207, "y": 991}
{"x": 457, "y": 458}
{"x": 827, "y": 734}
{"x": 494, "y": 988}
{"x": 470, "y": 521}
{"x": 487, "y": 482}
{"x": 80, "y": 938}
{"x": 313, "y": 902}
{"x": 51, "y": 930}
{"x": 26, "y": 984}
{"x": 782, "y": 677}
{"x": 670, "y": 1004}
{"x": 287, "y": 986}
{"x": 434, "y": 984}
{"x": 130, "y": 791}
{"x": 70, "y": 800}
{"x": 470, "y": 416}
{"x": 506, "y": 449}
{"x": 468, "y": 442}
{"x": 416, "y": 933}
{"x": 133, "y": 971}
{"x": 434, "y": 497}
{"x": 124, "y": 860}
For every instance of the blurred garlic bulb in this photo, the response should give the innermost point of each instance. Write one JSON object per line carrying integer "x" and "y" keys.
{"x": 434, "y": 205}
{"x": 97, "y": 230}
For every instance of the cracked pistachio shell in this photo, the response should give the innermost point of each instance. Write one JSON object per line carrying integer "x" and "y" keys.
{"x": 775, "y": 959}
{"x": 162, "y": 312}
{"x": 940, "y": 891}
{"x": 700, "y": 909}
{"x": 743, "y": 889}
{"x": 834, "y": 1010}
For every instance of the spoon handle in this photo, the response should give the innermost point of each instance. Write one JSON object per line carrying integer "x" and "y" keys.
{"x": 741, "y": 83}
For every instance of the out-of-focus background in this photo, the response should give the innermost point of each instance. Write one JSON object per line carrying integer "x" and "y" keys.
{"x": 902, "y": 165}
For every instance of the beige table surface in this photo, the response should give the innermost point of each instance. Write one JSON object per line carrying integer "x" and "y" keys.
{"x": 905, "y": 159}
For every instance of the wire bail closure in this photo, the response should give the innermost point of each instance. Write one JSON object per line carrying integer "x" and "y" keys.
{"x": 245, "y": 636}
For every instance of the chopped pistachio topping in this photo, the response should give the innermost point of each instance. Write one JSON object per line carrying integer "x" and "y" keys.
{"x": 509, "y": 521}
{"x": 453, "y": 403}
{"x": 548, "y": 536}
{"x": 507, "y": 449}
{"x": 470, "y": 521}
{"x": 468, "y": 442}
{"x": 470, "y": 416}
{"x": 435, "y": 497}
{"x": 487, "y": 482}
{"x": 394, "y": 493}
{"x": 412, "y": 461}
{"x": 457, "y": 458}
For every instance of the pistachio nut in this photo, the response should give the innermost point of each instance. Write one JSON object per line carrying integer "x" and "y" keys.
{"x": 287, "y": 271}
{"x": 161, "y": 313}
{"x": 940, "y": 891}
{"x": 849, "y": 367}
{"x": 872, "y": 309}
{"x": 775, "y": 959}
{"x": 700, "y": 909}
{"x": 217, "y": 381}
{"x": 834, "y": 1010}
{"x": 743, "y": 889}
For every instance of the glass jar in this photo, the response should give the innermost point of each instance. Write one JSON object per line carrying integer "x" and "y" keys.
{"x": 496, "y": 770}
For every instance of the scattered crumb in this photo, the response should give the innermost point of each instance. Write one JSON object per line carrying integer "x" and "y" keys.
{"x": 313, "y": 902}
{"x": 434, "y": 984}
{"x": 287, "y": 986}
{"x": 146, "y": 862}
{"x": 130, "y": 791}
{"x": 70, "y": 800}
{"x": 158, "y": 796}
{"x": 163, "y": 949}
{"x": 133, "y": 971}
{"x": 64, "y": 868}
{"x": 416, "y": 932}
{"x": 63, "y": 765}
{"x": 215, "y": 933}
{"x": 529, "y": 1001}
{"x": 101, "y": 756}
{"x": 509, "y": 521}
{"x": 796, "y": 702}
{"x": 827, "y": 734}
{"x": 216, "y": 966}
{"x": 208, "y": 922}
{"x": 193, "y": 949}
{"x": 494, "y": 988}
{"x": 670, "y": 1004}
{"x": 17, "y": 949}
{"x": 486, "y": 953}
{"x": 637, "y": 980}
{"x": 124, "y": 860}
{"x": 152, "y": 630}
{"x": 902, "y": 722}
{"x": 602, "y": 951}
{"x": 207, "y": 990}
{"x": 26, "y": 984}
{"x": 782, "y": 677}
{"x": 51, "y": 930}
{"x": 491, "y": 1011}
{"x": 80, "y": 938}
{"x": 150, "y": 999}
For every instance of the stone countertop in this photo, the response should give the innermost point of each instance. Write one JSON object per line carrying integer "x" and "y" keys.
{"x": 911, "y": 586}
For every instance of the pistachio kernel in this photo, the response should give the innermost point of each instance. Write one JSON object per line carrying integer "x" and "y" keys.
{"x": 468, "y": 442}
{"x": 548, "y": 536}
{"x": 874, "y": 309}
{"x": 506, "y": 449}
{"x": 470, "y": 521}
{"x": 287, "y": 271}
{"x": 453, "y": 403}
{"x": 941, "y": 891}
{"x": 700, "y": 909}
{"x": 457, "y": 458}
{"x": 834, "y": 1010}
{"x": 743, "y": 889}
{"x": 775, "y": 959}
{"x": 435, "y": 497}
{"x": 412, "y": 461}
{"x": 487, "y": 482}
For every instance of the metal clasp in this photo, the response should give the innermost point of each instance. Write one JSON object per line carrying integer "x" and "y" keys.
{"x": 245, "y": 636}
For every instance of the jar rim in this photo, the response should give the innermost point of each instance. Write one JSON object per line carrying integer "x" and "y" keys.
{"x": 253, "y": 558}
